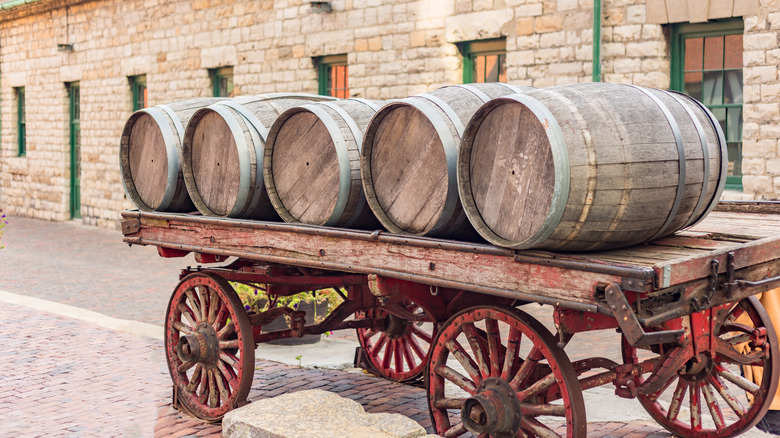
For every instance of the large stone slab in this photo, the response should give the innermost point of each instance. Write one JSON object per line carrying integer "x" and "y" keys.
{"x": 314, "y": 413}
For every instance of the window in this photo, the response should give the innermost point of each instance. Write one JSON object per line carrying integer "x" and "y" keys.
{"x": 74, "y": 100}
{"x": 138, "y": 87}
{"x": 333, "y": 76}
{"x": 484, "y": 61}
{"x": 222, "y": 79}
{"x": 21, "y": 128}
{"x": 707, "y": 65}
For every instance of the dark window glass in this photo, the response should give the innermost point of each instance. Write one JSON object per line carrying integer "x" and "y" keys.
{"x": 334, "y": 76}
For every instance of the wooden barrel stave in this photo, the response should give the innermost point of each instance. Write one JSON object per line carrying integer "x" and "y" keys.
{"x": 623, "y": 189}
{"x": 224, "y": 173}
{"x": 311, "y": 164}
{"x": 408, "y": 159}
{"x": 150, "y": 156}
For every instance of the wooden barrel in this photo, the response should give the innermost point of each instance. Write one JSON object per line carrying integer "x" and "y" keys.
{"x": 408, "y": 159}
{"x": 223, "y": 154}
{"x": 589, "y": 167}
{"x": 150, "y": 155}
{"x": 312, "y": 164}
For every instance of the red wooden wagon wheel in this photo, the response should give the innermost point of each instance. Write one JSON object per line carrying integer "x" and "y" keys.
{"x": 209, "y": 346}
{"x": 398, "y": 352}
{"x": 715, "y": 384}
{"x": 496, "y": 371}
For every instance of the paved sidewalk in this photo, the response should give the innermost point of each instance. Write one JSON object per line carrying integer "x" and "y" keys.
{"x": 87, "y": 267}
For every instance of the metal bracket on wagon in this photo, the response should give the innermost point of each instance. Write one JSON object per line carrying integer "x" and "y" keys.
{"x": 131, "y": 226}
{"x": 629, "y": 324}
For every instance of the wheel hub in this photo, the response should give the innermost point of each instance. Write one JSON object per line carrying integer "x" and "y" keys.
{"x": 395, "y": 327}
{"x": 697, "y": 368}
{"x": 201, "y": 346}
{"x": 494, "y": 409}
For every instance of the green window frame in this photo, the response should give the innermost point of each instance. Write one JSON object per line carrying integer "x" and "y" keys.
{"x": 21, "y": 122}
{"x": 707, "y": 65}
{"x": 222, "y": 81}
{"x": 74, "y": 104}
{"x": 139, "y": 92}
{"x": 333, "y": 76}
{"x": 484, "y": 61}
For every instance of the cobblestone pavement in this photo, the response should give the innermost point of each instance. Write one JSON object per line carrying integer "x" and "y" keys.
{"x": 70, "y": 378}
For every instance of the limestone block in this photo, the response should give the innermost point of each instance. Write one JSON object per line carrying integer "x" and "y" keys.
{"x": 628, "y": 65}
{"x": 721, "y": 9}
{"x": 527, "y": 42}
{"x": 760, "y": 75}
{"x": 745, "y": 7}
{"x": 129, "y": 66}
{"x": 547, "y": 56}
{"x": 565, "y": 5}
{"x": 757, "y": 185}
{"x": 520, "y": 57}
{"x": 656, "y": 12}
{"x": 759, "y": 148}
{"x": 525, "y": 26}
{"x": 773, "y": 166}
{"x": 213, "y": 57}
{"x": 636, "y": 14}
{"x": 529, "y": 10}
{"x": 753, "y": 58}
{"x": 698, "y": 10}
{"x": 677, "y": 11}
{"x": 14, "y": 78}
{"x": 627, "y": 33}
{"x": 768, "y": 130}
{"x": 552, "y": 39}
{"x": 770, "y": 92}
{"x": 761, "y": 41}
{"x": 652, "y": 79}
{"x": 476, "y": 25}
{"x": 417, "y": 39}
{"x": 753, "y": 166}
{"x": 548, "y": 23}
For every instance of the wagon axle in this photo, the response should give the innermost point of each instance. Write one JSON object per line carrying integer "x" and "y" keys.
{"x": 494, "y": 409}
{"x": 202, "y": 346}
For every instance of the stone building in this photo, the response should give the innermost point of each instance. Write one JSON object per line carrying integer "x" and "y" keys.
{"x": 71, "y": 72}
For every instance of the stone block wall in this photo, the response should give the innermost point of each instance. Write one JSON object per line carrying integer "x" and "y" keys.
{"x": 761, "y": 111}
{"x": 394, "y": 48}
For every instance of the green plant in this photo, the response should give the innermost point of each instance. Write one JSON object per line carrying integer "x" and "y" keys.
{"x": 298, "y": 358}
{"x": 255, "y": 297}
{"x": 3, "y": 223}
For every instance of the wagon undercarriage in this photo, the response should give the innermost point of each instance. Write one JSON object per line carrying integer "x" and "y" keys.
{"x": 447, "y": 312}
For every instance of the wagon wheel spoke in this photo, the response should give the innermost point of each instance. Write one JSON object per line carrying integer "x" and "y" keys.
{"x": 209, "y": 346}
{"x": 724, "y": 392}
{"x": 712, "y": 405}
{"x": 538, "y": 429}
{"x": 464, "y": 359}
{"x": 470, "y": 370}
{"x": 457, "y": 430}
{"x": 513, "y": 343}
{"x": 735, "y": 400}
{"x": 398, "y": 351}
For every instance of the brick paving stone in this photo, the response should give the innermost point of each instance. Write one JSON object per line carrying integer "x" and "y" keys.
{"x": 65, "y": 374}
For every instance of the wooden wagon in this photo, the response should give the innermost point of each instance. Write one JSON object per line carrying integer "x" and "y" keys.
{"x": 684, "y": 304}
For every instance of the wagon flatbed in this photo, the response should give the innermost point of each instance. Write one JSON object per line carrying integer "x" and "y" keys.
{"x": 683, "y": 303}
{"x": 565, "y": 279}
